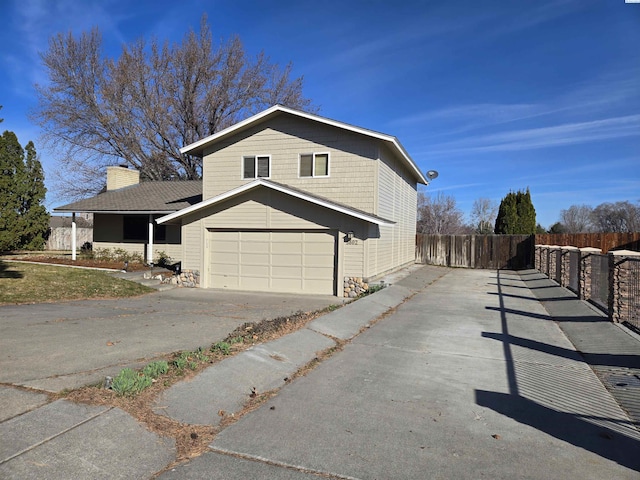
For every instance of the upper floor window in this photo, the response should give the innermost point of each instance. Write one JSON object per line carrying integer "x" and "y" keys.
{"x": 314, "y": 165}
{"x": 256, "y": 166}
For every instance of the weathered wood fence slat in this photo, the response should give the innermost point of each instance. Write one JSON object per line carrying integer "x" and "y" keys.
{"x": 476, "y": 251}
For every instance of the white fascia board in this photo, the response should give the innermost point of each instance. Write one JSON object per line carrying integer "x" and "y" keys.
{"x": 327, "y": 121}
{"x": 287, "y": 191}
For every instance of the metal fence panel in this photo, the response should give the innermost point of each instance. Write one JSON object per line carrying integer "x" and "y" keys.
{"x": 600, "y": 281}
{"x": 574, "y": 261}
{"x": 634, "y": 292}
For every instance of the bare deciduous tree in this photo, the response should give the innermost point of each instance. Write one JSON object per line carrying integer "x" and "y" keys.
{"x": 483, "y": 215}
{"x": 142, "y": 107}
{"x": 439, "y": 215}
{"x": 616, "y": 217}
{"x": 576, "y": 219}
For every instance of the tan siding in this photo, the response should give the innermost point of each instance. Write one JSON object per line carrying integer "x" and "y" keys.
{"x": 354, "y": 259}
{"x": 397, "y": 201}
{"x": 351, "y": 165}
{"x": 193, "y": 250}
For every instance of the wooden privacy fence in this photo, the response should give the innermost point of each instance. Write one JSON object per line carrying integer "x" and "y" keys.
{"x": 603, "y": 241}
{"x": 476, "y": 251}
{"x": 60, "y": 238}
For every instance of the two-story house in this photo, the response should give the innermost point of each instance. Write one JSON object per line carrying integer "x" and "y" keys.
{"x": 291, "y": 202}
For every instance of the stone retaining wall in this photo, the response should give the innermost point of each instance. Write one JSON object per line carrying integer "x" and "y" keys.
{"x": 186, "y": 278}
{"x": 354, "y": 286}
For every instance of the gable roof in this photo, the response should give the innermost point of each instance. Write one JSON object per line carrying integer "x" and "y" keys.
{"x": 197, "y": 148}
{"x": 294, "y": 192}
{"x": 145, "y": 197}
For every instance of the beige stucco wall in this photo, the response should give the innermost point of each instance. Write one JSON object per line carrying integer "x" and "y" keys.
{"x": 352, "y": 158}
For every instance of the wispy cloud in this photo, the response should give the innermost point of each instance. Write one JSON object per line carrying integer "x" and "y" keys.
{"x": 545, "y": 137}
{"x": 38, "y": 20}
{"x": 532, "y": 14}
{"x": 613, "y": 91}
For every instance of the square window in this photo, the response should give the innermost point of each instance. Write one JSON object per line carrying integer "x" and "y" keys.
{"x": 321, "y": 165}
{"x": 249, "y": 168}
{"x": 306, "y": 165}
{"x": 256, "y": 166}
{"x": 314, "y": 165}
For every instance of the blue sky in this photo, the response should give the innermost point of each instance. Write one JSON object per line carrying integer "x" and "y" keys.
{"x": 495, "y": 95}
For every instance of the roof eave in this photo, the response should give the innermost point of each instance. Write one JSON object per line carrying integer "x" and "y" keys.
{"x": 197, "y": 148}
{"x": 256, "y": 183}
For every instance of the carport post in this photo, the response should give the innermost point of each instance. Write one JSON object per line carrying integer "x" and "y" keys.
{"x": 73, "y": 236}
{"x": 150, "y": 249}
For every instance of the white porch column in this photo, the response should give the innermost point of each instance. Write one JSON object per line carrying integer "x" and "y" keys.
{"x": 150, "y": 248}
{"x": 74, "y": 240}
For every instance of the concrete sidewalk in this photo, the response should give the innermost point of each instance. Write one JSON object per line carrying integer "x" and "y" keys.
{"x": 62, "y": 440}
{"x": 470, "y": 378}
{"x": 445, "y": 374}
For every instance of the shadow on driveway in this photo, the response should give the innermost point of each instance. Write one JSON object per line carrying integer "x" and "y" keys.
{"x": 582, "y": 430}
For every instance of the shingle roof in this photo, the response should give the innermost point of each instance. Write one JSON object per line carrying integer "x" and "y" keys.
{"x": 294, "y": 192}
{"x": 149, "y": 197}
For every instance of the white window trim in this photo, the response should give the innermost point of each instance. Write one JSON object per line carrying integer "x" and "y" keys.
{"x": 255, "y": 166}
{"x": 313, "y": 164}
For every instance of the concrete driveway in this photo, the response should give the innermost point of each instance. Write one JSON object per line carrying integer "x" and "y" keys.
{"x": 56, "y": 346}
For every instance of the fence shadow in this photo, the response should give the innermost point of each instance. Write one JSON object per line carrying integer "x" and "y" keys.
{"x": 571, "y": 428}
{"x": 6, "y": 272}
{"x": 576, "y": 429}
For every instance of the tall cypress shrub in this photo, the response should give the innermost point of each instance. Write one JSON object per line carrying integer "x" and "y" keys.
{"x": 516, "y": 214}
{"x": 23, "y": 218}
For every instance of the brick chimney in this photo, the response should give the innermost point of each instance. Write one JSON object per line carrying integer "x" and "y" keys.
{"x": 121, "y": 176}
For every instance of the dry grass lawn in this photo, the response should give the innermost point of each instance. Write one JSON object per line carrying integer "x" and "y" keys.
{"x": 32, "y": 283}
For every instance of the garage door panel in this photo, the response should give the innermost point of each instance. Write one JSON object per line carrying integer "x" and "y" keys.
{"x": 227, "y": 269}
{"x": 254, "y": 247}
{"x": 317, "y": 248}
{"x": 279, "y": 261}
{"x": 286, "y": 248}
{"x": 254, "y": 271}
{"x": 317, "y": 273}
{"x": 260, "y": 284}
{"x": 255, "y": 259}
{"x": 230, "y": 246}
{"x": 286, "y": 237}
{"x": 317, "y": 261}
{"x": 224, "y": 281}
{"x": 287, "y": 260}
{"x": 286, "y": 272}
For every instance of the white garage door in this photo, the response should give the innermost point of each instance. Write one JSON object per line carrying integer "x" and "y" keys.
{"x": 299, "y": 262}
